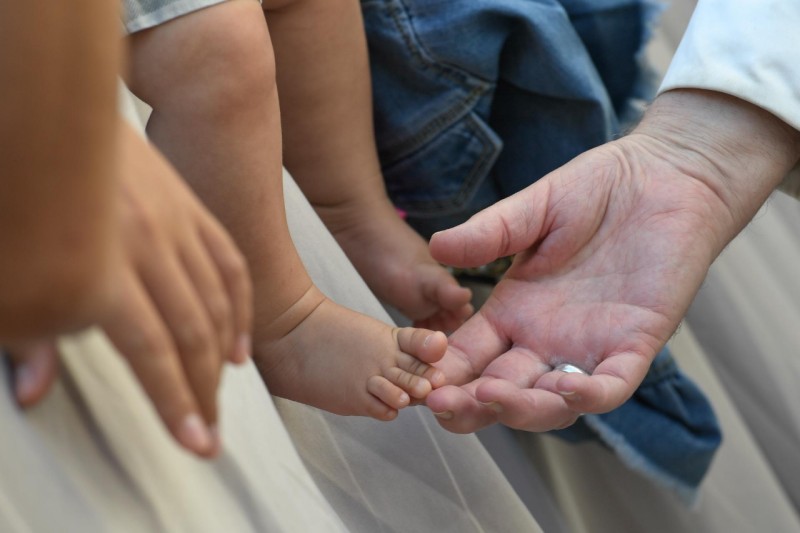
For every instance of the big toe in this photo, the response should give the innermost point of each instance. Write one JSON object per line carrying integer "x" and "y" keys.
{"x": 426, "y": 345}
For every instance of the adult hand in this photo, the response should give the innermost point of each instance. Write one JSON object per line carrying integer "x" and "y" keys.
{"x": 183, "y": 306}
{"x": 611, "y": 249}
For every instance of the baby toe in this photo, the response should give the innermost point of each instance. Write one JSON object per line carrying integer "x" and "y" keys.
{"x": 425, "y": 345}
{"x": 416, "y": 386}
{"x": 414, "y": 366}
{"x": 391, "y": 395}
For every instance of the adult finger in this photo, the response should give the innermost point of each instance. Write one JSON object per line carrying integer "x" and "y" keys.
{"x": 610, "y": 385}
{"x": 506, "y": 228}
{"x": 139, "y": 334}
{"x": 519, "y": 365}
{"x": 233, "y": 270}
{"x": 34, "y": 369}
{"x": 457, "y": 410}
{"x": 525, "y": 408}
{"x": 472, "y": 347}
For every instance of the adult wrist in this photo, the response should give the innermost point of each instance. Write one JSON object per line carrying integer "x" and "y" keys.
{"x": 738, "y": 150}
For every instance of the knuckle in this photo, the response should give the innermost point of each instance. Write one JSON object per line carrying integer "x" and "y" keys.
{"x": 139, "y": 221}
{"x": 193, "y": 338}
{"x": 144, "y": 341}
{"x": 219, "y": 310}
{"x": 234, "y": 267}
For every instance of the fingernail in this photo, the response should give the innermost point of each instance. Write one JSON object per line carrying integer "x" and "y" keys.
{"x": 29, "y": 374}
{"x": 244, "y": 346}
{"x": 404, "y": 399}
{"x": 437, "y": 379}
{"x": 194, "y": 434}
{"x": 570, "y": 396}
{"x": 427, "y": 340}
{"x": 25, "y": 382}
{"x": 494, "y": 406}
{"x": 445, "y": 415}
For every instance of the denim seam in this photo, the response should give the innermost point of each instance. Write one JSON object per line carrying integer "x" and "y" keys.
{"x": 399, "y": 10}
{"x": 398, "y": 13}
{"x": 478, "y": 173}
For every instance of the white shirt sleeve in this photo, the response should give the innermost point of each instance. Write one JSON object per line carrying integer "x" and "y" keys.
{"x": 746, "y": 48}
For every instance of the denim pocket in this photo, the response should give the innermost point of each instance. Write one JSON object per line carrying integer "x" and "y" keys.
{"x": 434, "y": 148}
{"x": 442, "y": 177}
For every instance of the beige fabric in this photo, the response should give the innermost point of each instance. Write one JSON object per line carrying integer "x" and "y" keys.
{"x": 746, "y": 318}
{"x": 791, "y": 184}
{"x": 93, "y": 457}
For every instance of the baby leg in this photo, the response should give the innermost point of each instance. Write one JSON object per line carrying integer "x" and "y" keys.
{"x": 210, "y": 78}
{"x": 329, "y": 147}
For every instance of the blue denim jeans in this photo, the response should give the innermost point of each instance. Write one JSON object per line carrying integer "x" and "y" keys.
{"x": 474, "y": 101}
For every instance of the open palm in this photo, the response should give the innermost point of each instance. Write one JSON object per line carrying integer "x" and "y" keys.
{"x": 611, "y": 248}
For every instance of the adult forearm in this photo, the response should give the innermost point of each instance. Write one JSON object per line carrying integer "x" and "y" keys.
{"x": 738, "y": 150}
{"x": 58, "y": 136}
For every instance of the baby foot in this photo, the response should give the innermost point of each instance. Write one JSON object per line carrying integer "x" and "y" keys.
{"x": 322, "y": 354}
{"x": 396, "y": 264}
